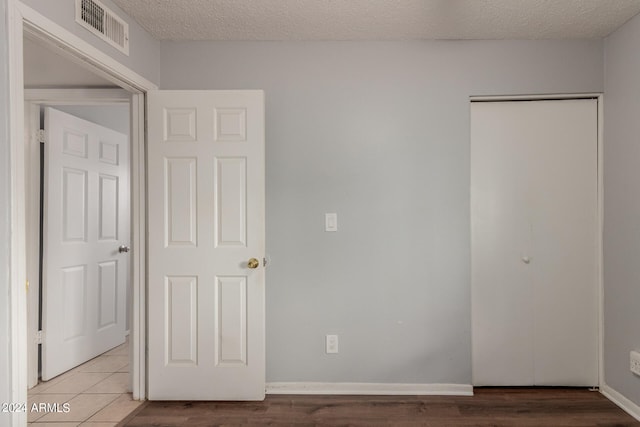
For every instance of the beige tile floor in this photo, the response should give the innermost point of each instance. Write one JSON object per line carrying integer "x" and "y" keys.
{"x": 96, "y": 392}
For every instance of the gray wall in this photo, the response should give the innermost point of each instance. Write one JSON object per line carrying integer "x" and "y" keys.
{"x": 5, "y": 217}
{"x": 114, "y": 117}
{"x": 144, "y": 51}
{"x": 379, "y": 133}
{"x": 622, "y": 207}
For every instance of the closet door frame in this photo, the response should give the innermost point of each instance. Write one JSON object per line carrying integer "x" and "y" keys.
{"x": 600, "y": 201}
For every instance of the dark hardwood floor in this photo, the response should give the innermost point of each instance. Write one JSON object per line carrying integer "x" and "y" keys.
{"x": 533, "y": 407}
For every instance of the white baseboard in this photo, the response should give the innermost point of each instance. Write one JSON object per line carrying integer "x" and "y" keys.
{"x": 624, "y": 403}
{"x": 369, "y": 389}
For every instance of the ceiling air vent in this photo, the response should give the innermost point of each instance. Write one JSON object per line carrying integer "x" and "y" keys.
{"x": 95, "y": 17}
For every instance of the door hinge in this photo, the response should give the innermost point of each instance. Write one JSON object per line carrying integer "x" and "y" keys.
{"x": 26, "y": 285}
{"x": 39, "y": 336}
{"x": 41, "y": 136}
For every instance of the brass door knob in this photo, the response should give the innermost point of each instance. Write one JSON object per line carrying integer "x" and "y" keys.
{"x": 253, "y": 263}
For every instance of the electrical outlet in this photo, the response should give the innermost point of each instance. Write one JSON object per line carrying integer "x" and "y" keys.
{"x": 635, "y": 362}
{"x": 331, "y": 345}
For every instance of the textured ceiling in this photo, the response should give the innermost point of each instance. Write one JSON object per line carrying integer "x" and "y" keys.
{"x": 379, "y": 19}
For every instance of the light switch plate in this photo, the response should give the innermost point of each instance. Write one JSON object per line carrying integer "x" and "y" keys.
{"x": 331, "y": 344}
{"x": 331, "y": 222}
{"x": 635, "y": 362}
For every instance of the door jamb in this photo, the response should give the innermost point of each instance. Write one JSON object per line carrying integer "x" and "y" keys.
{"x": 34, "y": 99}
{"x": 600, "y": 199}
{"x": 24, "y": 20}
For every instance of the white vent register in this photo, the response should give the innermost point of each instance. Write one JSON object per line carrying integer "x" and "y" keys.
{"x": 94, "y": 16}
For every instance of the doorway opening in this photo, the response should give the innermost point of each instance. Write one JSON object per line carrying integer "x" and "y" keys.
{"x": 26, "y": 22}
{"x": 74, "y": 356}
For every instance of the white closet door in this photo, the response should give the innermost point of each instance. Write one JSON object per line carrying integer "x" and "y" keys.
{"x": 534, "y": 242}
{"x": 500, "y": 237}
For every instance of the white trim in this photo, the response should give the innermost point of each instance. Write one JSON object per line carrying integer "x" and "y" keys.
{"x": 369, "y": 389}
{"x": 77, "y": 96}
{"x": 600, "y": 189}
{"x": 618, "y": 398}
{"x": 537, "y": 97}
{"x": 32, "y": 144}
{"x": 138, "y": 260}
{"x": 18, "y": 274}
{"x": 23, "y": 19}
{"x": 601, "y": 239}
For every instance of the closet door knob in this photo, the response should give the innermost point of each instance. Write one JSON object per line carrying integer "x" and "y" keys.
{"x": 526, "y": 259}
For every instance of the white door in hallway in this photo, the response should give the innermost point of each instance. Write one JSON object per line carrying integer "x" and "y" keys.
{"x": 86, "y": 220}
{"x": 206, "y": 204}
{"x": 534, "y": 214}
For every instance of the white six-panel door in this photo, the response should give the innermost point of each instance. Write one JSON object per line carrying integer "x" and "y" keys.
{"x": 206, "y": 222}
{"x": 86, "y": 219}
{"x": 534, "y": 215}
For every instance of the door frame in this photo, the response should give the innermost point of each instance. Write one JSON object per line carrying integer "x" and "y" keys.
{"x": 34, "y": 100}
{"x": 24, "y": 20}
{"x": 599, "y": 97}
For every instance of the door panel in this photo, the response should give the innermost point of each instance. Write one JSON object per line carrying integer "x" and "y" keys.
{"x": 499, "y": 241}
{"x": 74, "y": 289}
{"x": 180, "y": 201}
{"x": 86, "y": 218}
{"x": 108, "y": 207}
{"x": 564, "y": 241}
{"x": 108, "y": 297}
{"x": 534, "y": 243}
{"x": 231, "y": 202}
{"x": 74, "y": 205}
{"x": 206, "y": 220}
{"x": 182, "y": 320}
{"x": 231, "y": 323}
